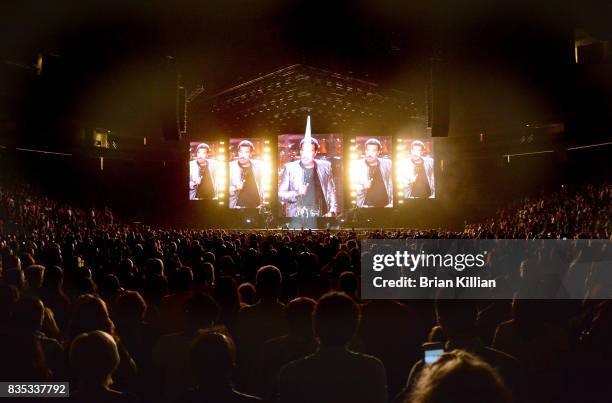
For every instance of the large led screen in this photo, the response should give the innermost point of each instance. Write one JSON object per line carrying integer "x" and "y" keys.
{"x": 250, "y": 172}
{"x": 415, "y": 173}
{"x": 310, "y": 175}
{"x": 371, "y": 171}
{"x": 207, "y": 170}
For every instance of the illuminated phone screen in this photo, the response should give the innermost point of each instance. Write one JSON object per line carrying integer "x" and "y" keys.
{"x": 432, "y": 356}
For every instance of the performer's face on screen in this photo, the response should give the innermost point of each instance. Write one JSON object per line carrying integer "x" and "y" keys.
{"x": 416, "y": 152}
{"x": 307, "y": 154}
{"x": 371, "y": 153}
{"x": 202, "y": 154}
{"x": 244, "y": 155}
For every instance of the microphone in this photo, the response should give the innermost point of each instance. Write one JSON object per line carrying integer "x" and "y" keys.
{"x": 371, "y": 173}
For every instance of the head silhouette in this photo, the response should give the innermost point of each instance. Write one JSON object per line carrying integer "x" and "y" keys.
{"x": 247, "y": 292}
{"x": 14, "y": 277}
{"x": 335, "y": 319}
{"x": 213, "y": 357}
{"x": 268, "y": 282}
{"x": 34, "y": 276}
{"x": 130, "y": 307}
{"x": 53, "y": 278}
{"x": 347, "y": 282}
{"x": 94, "y": 356}
{"x": 201, "y": 311}
{"x": 90, "y": 313}
{"x": 457, "y": 317}
{"x": 299, "y": 316}
{"x": 28, "y": 314}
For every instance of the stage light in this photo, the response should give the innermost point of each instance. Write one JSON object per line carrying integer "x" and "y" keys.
{"x": 266, "y": 157}
{"x": 354, "y": 160}
{"x": 401, "y": 167}
{"x": 222, "y": 172}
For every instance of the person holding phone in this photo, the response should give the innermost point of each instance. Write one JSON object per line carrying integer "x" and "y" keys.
{"x": 432, "y": 352}
{"x": 459, "y": 376}
{"x": 457, "y": 318}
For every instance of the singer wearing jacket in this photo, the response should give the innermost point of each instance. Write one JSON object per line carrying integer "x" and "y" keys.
{"x": 374, "y": 180}
{"x": 245, "y": 181}
{"x": 420, "y": 174}
{"x": 307, "y": 187}
{"x": 202, "y": 175}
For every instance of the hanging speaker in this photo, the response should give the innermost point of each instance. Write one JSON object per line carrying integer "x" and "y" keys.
{"x": 181, "y": 107}
{"x": 438, "y": 98}
{"x": 169, "y": 98}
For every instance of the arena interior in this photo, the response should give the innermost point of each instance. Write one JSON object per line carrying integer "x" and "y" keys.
{"x": 238, "y": 201}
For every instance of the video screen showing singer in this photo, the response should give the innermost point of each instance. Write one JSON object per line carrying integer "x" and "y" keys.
{"x": 307, "y": 186}
{"x": 373, "y": 174}
{"x": 246, "y": 188}
{"x": 202, "y": 174}
{"x": 420, "y": 173}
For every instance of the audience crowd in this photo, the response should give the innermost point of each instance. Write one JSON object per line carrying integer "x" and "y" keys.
{"x": 130, "y": 313}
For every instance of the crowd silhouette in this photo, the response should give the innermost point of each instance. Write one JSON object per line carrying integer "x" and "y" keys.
{"x": 132, "y": 313}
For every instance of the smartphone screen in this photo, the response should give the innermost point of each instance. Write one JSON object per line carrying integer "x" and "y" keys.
{"x": 432, "y": 356}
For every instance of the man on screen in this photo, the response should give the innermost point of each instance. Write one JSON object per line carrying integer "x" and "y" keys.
{"x": 245, "y": 182}
{"x": 307, "y": 187}
{"x": 202, "y": 175}
{"x": 420, "y": 173}
{"x": 375, "y": 184}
